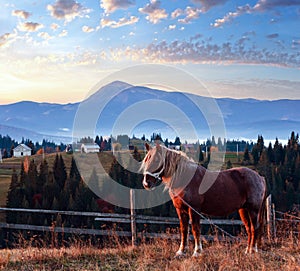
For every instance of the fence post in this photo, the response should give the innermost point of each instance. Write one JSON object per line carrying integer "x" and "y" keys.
{"x": 133, "y": 218}
{"x": 274, "y": 220}
{"x": 269, "y": 217}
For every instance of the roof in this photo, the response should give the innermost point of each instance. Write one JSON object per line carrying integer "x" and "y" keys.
{"x": 22, "y": 147}
{"x": 91, "y": 145}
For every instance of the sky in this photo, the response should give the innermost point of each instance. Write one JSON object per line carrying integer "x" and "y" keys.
{"x": 58, "y": 50}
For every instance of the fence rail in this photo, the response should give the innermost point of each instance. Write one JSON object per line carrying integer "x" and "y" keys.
{"x": 133, "y": 219}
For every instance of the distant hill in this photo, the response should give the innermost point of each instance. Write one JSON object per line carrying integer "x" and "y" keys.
{"x": 244, "y": 118}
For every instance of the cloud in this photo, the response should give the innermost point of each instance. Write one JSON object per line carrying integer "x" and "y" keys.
{"x": 21, "y": 14}
{"x": 231, "y": 15}
{"x": 272, "y": 36}
{"x": 172, "y": 26}
{"x": 54, "y": 26}
{"x": 200, "y": 52}
{"x": 208, "y": 4}
{"x": 116, "y": 24}
{"x": 154, "y": 13}
{"x": 87, "y": 29}
{"x": 67, "y": 10}
{"x": 176, "y": 13}
{"x": 260, "y": 6}
{"x": 191, "y": 13}
{"x": 263, "y": 5}
{"x": 295, "y": 43}
{"x": 30, "y": 27}
{"x": 45, "y": 36}
{"x": 6, "y": 39}
{"x": 63, "y": 33}
{"x": 110, "y": 6}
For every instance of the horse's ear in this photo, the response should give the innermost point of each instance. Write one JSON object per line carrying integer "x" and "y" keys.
{"x": 148, "y": 148}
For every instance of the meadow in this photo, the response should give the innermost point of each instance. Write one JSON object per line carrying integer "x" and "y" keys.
{"x": 156, "y": 254}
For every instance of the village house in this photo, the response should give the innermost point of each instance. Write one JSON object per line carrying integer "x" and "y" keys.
{"x": 22, "y": 150}
{"x": 90, "y": 147}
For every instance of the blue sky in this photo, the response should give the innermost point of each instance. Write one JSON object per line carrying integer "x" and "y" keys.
{"x": 57, "y": 50}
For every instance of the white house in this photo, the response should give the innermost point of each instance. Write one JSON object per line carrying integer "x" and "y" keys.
{"x": 22, "y": 150}
{"x": 90, "y": 147}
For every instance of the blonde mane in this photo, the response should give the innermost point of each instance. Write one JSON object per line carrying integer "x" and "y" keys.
{"x": 176, "y": 164}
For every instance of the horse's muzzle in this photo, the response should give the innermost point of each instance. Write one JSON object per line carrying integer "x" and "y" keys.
{"x": 148, "y": 185}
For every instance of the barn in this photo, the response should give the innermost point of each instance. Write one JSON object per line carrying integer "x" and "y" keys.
{"x": 22, "y": 150}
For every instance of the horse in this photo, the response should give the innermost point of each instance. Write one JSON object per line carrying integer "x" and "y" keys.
{"x": 237, "y": 189}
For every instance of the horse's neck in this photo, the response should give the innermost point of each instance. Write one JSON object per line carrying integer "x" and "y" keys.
{"x": 180, "y": 170}
{"x": 171, "y": 162}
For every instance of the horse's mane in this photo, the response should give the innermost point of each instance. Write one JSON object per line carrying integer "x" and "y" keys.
{"x": 174, "y": 161}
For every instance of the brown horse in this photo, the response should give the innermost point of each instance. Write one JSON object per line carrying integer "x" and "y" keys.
{"x": 195, "y": 190}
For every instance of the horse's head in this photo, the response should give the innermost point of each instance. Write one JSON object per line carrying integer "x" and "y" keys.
{"x": 153, "y": 166}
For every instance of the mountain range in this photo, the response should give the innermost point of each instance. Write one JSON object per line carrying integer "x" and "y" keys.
{"x": 243, "y": 118}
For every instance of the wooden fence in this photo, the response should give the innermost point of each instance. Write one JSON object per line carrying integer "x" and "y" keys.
{"x": 131, "y": 218}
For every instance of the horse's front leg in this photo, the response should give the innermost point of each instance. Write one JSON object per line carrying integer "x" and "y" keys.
{"x": 195, "y": 220}
{"x": 184, "y": 227}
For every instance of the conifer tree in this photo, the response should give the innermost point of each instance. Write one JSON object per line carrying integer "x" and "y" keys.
{"x": 255, "y": 154}
{"x": 73, "y": 181}
{"x": 12, "y": 200}
{"x": 278, "y": 153}
{"x": 201, "y": 156}
{"x": 82, "y": 197}
{"x": 228, "y": 164}
{"x": 49, "y": 191}
{"x": 296, "y": 176}
{"x": 246, "y": 157}
{"x": 270, "y": 153}
{"x": 93, "y": 182}
{"x": 59, "y": 170}
{"x": 32, "y": 176}
{"x": 43, "y": 176}
{"x": 74, "y": 172}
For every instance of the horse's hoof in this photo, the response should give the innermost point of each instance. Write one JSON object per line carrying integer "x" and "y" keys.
{"x": 196, "y": 254}
{"x": 179, "y": 254}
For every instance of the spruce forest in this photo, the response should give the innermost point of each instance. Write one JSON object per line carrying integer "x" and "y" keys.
{"x": 43, "y": 187}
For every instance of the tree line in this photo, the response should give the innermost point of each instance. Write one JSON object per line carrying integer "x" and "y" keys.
{"x": 280, "y": 165}
{"x": 7, "y": 144}
{"x": 38, "y": 186}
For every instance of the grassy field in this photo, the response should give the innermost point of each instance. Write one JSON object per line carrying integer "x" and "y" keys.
{"x": 156, "y": 255}
{"x": 4, "y": 184}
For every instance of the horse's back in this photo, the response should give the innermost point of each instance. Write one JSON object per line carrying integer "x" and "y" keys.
{"x": 233, "y": 189}
{"x": 253, "y": 184}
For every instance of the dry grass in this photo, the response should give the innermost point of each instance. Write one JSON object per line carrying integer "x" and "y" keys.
{"x": 4, "y": 185}
{"x": 156, "y": 255}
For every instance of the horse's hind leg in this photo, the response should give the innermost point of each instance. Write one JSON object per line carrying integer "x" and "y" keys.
{"x": 184, "y": 227}
{"x": 246, "y": 220}
{"x": 255, "y": 229}
{"x": 195, "y": 220}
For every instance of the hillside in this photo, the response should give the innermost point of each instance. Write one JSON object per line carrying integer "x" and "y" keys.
{"x": 243, "y": 118}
